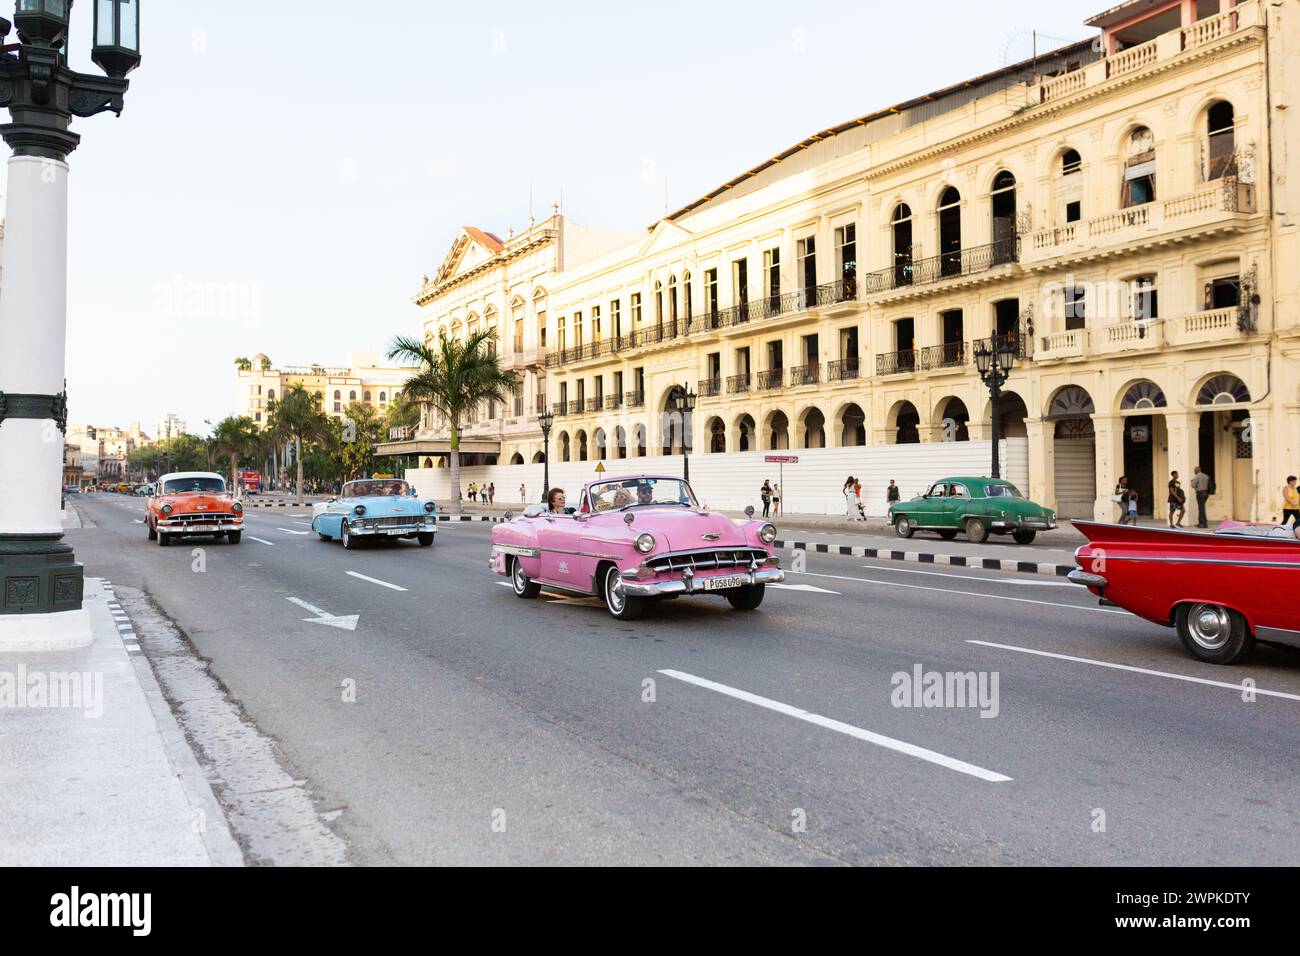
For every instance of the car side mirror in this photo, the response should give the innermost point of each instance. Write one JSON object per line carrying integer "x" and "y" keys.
{"x": 749, "y": 511}
{"x": 570, "y": 510}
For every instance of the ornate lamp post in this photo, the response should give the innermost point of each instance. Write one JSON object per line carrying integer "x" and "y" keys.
{"x": 685, "y": 402}
{"x": 40, "y": 580}
{"x": 546, "y": 419}
{"x": 994, "y": 368}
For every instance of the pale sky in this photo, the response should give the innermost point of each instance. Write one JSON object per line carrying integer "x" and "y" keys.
{"x": 281, "y": 180}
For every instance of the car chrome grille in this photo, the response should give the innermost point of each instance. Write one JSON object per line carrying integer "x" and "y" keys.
{"x": 707, "y": 559}
{"x": 216, "y": 517}
{"x": 398, "y": 522}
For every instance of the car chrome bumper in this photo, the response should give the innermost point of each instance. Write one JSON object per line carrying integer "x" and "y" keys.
{"x": 1024, "y": 525}
{"x": 634, "y": 588}
{"x": 393, "y": 530}
{"x": 1086, "y": 578}
{"x": 192, "y": 528}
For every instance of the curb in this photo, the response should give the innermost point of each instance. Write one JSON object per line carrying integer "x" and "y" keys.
{"x": 493, "y": 518}
{"x": 924, "y": 557}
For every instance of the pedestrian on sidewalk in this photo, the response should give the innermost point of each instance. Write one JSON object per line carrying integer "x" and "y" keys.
{"x": 473, "y": 492}
{"x": 1177, "y": 501}
{"x": 1123, "y": 497}
{"x": 776, "y": 499}
{"x": 1132, "y": 507}
{"x": 492, "y": 492}
{"x": 1201, "y": 486}
{"x": 523, "y": 494}
{"x": 1290, "y": 502}
{"x": 857, "y": 498}
{"x": 847, "y": 492}
{"x": 892, "y": 494}
{"x": 765, "y": 493}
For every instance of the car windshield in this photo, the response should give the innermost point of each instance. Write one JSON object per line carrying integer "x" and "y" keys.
{"x": 199, "y": 485}
{"x": 375, "y": 487}
{"x": 636, "y": 492}
{"x": 1004, "y": 491}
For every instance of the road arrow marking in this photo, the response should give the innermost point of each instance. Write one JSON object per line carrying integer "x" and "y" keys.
{"x": 347, "y": 622}
{"x": 802, "y": 587}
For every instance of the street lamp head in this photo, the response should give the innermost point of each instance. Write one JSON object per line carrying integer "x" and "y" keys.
{"x": 42, "y": 23}
{"x": 5, "y": 27}
{"x": 545, "y": 419}
{"x": 690, "y": 400}
{"x": 983, "y": 358}
{"x": 1006, "y": 358}
{"x": 117, "y": 36}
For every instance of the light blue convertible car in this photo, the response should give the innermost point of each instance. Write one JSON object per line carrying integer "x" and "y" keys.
{"x": 375, "y": 508}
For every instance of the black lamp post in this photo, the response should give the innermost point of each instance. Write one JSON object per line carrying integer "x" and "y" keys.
{"x": 546, "y": 419}
{"x": 39, "y": 574}
{"x": 994, "y": 368}
{"x": 685, "y": 402}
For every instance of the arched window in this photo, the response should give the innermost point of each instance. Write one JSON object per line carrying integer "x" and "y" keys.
{"x": 1004, "y": 217}
{"x": 1140, "y": 169}
{"x": 383, "y": 397}
{"x": 270, "y": 394}
{"x": 659, "y": 304}
{"x": 950, "y": 232}
{"x": 367, "y": 398}
{"x": 686, "y": 295}
{"x": 1221, "y": 139}
{"x": 352, "y": 396}
{"x": 901, "y": 225}
{"x": 337, "y": 395}
{"x": 672, "y": 305}
{"x": 1071, "y": 162}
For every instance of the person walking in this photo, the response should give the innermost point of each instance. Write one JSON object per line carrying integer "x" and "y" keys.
{"x": 523, "y": 494}
{"x": 473, "y": 492}
{"x": 776, "y": 499}
{"x": 1201, "y": 488}
{"x": 857, "y": 498}
{"x": 492, "y": 492}
{"x": 1177, "y": 501}
{"x": 892, "y": 494}
{"x": 765, "y": 493}
{"x": 847, "y": 491}
{"x": 1291, "y": 502}
{"x": 1123, "y": 496}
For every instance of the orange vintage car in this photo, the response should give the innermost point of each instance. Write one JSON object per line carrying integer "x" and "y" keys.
{"x": 193, "y": 503}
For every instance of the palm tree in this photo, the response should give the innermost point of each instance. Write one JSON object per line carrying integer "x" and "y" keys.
{"x": 234, "y": 437}
{"x": 454, "y": 376}
{"x": 243, "y": 364}
{"x": 298, "y": 417}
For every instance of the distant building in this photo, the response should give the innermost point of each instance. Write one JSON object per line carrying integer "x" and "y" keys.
{"x": 169, "y": 427}
{"x": 363, "y": 380}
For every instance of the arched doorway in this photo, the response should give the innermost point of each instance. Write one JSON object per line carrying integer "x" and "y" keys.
{"x": 538, "y": 458}
{"x": 907, "y": 424}
{"x": 1144, "y": 431}
{"x": 620, "y": 442}
{"x": 745, "y": 434}
{"x": 853, "y": 426}
{"x": 954, "y": 421}
{"x": 582, "y": 445}
{"x": 565, "y": 450}
{"x": 901, "y": 228}
{"x": 516, "y": 459}
{"x": 601, "y": 443}
{"x": 1004, "y": 217}
{"x": 1225, "y": 448}
{"x": 814, "y": 429}
{"x": 640, "y": 441}
{"x": 778, "y": 431}
{"x": 671, "y": 420}
{"x": 717, "y": 436}
{"x": 1074, "y": 451}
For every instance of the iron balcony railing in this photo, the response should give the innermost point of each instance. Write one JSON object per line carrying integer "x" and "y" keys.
{"x": 710, "y": 387}
{"x": 843, "y": 370}
{"x": 611, "y": 402}
{"x": 958, "y": 262}
{"x": 559, "y": 409}
{"x": 948, "y": 355}
{"x": 575, "y": 406}
{"x": 892, "y": 363}
{"x": 805, "y": 374}
{"x": 771, "y": 378}
{"x": 737, "y": 384}
{"x": 634, "y": 399}
{"x": 1019, "y": 342}
{"x": 593, "y": 404}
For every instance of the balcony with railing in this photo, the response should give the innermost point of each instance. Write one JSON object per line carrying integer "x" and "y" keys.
{"x": 560, "y": 409}
{"x": 1222, "y": 205}
{"x": 1019, "y": 341}
{"x": 738, "y": 384}
{"x": 709, "y": 387}
{"x": 896, "y": 363}
{"x": 771, "y": 378}
{"x": 844, "y": 370}
{"x": 1207, "y": 327}
{"x": 1131, "y": 336}
{"x": 906, "y": 276}
{"x": 611, "y": 402}
{"x": 575, "y": 406}
{"x": 634, "y": 399}
{"x": 594, "y": 404}
{"x": 805, "y": 374}
{"x": 1071, "y": 343}
{"x": 947, "y": 355}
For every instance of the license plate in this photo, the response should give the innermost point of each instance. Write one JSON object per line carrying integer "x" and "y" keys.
{"x": 723, "y": 584}
{"x": 201, "y": 527}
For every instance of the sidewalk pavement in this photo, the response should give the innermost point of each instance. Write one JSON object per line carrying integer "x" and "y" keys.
{"x": 94, "y": 769}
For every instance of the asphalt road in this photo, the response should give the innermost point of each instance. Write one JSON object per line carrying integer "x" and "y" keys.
{"x": 487, "y": 729}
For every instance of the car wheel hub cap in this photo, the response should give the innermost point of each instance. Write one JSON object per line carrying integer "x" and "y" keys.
{"x": 614, "y": 585}
{"x": 1209, "y": 626}
{"x": 521, "y": 579}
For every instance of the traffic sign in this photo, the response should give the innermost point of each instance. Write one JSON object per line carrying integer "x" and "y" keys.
{"x": 783, "y": 459}
{"x": 600, "y": 467}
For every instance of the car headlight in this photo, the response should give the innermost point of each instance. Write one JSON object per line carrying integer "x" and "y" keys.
{"x": 428, "y": 506}
{"x": 359, "y": 510}
{"x": 645, "y": 542}
{"x": 237, "y": 508}
{"x": 767, "y": 533}
{"x": 167, "y": 509}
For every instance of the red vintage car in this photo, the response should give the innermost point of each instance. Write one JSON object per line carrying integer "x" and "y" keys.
{"x": 1221, "y": 591}
{"x": 193, "y": 503}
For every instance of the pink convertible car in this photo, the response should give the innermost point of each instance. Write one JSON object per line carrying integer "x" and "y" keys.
{"x": 635, "y": 538}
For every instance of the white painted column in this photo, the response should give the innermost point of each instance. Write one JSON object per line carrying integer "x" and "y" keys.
{"x": 33, "y": 322}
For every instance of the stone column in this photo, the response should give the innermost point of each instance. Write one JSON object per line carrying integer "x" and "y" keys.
{"x": 1109, "y": 433}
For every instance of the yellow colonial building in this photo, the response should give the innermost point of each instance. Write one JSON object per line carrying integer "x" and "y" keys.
{"x": 363, "y": 380}
{"x": 1117, "y": 214}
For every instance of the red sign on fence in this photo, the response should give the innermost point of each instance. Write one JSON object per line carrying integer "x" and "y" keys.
{"x": 782, "y": 459}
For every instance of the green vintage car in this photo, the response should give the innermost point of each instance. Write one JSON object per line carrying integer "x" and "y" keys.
{"x": 977, "y": 506}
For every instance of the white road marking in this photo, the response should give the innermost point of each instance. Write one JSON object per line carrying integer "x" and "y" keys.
{"x": 395, "y": 587}
{"x": 346, "y": 622}
{"x": 992, "y": 597}
{"x": 1029, "y": 582}
{"x": 802, "y": 587}
{"x": 139, "y": 521}
{"x": 291, "y": 531}
{"x": 921, "y": 753}
{"x": 260, "y": 540}
{"x": 505, "y": 584}
{"x": 1137, "y": 670}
